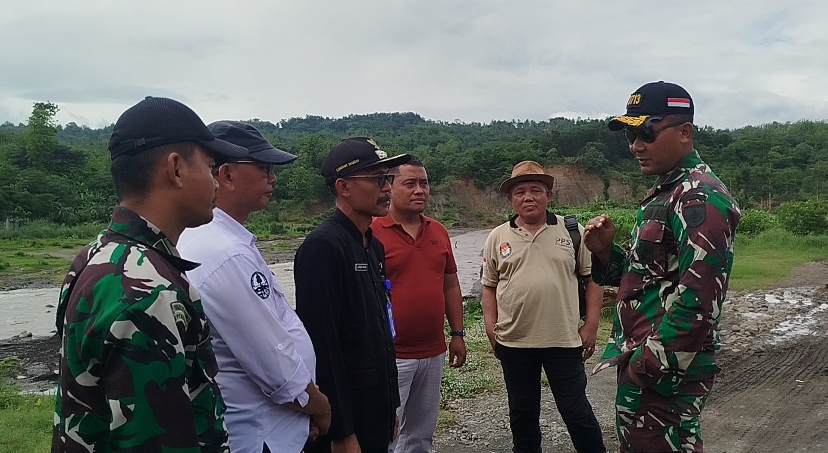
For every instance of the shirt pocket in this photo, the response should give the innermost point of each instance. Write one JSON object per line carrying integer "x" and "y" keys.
{"x": 280, "y": 308}
{"x": 207, "y": 359}
{"x": 278, "y": 301}
{"x": 651, "y": 250}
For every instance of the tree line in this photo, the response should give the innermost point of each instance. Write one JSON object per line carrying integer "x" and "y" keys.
{"x": 60, "y": 173}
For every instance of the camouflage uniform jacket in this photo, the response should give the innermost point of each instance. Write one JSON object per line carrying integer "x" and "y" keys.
{"x": 672, "y": 279}
{"x": 136, "y": 365}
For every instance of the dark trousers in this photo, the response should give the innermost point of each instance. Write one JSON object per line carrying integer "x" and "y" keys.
{"x": 567, "y": 379}
{"x": 363, "y": 450}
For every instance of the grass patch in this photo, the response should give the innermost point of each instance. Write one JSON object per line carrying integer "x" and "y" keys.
{"x": 41, "y": 229}
{"x": 29, "y": 259}
{"x": 27, "y": 427}
{"x": 472, "y": 379}
{"x": 477, "y": 375}
{"x": 770, "y": 257}
{"x": 25, "y": 421}
{"x": 446, "y": 419}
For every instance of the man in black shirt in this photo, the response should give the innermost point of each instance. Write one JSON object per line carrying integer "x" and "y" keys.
{"x": 343, "y": 298}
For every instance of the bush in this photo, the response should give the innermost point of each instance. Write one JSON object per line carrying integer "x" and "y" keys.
{"x": 44, "y": 229}
{"x": 755, "y": 221}
{"x": 803, "y": 217}
{"x": 473, "y": 309}
{"x": 303, "y": 229}
{"x": 278, "y": 229}
{"x": 622, "y": 216}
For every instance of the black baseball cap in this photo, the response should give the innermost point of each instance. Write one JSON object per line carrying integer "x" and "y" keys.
{"x": 243, "y": 134}
{"x": 160, "y": 121}
{"x": 354, "y": 154}
{"x": 654, "y": 100}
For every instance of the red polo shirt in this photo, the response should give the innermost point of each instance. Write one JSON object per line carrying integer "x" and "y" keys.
{"x": 417, "y": 269}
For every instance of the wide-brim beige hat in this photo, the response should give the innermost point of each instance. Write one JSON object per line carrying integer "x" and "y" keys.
{"x": 527, "y": 171}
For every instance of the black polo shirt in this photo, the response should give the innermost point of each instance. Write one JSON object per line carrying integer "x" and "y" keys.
{"x": 342, "y": 299}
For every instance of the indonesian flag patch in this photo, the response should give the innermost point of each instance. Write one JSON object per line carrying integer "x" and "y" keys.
{"x": 678, "y": 102}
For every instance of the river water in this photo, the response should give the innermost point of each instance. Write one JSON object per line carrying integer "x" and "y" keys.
{"x": 33, "y": 310}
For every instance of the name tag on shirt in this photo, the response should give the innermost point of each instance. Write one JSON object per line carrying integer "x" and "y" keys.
{"x": 361, "y": 267}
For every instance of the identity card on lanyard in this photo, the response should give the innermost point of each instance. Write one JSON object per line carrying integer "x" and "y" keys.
{"x": 392, "y": 326}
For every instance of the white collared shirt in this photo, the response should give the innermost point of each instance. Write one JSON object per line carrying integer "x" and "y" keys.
{"x": 264, "y": 353}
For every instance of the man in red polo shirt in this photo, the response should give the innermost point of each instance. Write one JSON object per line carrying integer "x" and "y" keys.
{"x": 424, "y": 291}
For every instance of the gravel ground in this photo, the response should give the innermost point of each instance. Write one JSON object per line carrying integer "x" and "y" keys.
{"x": 753, "y": 323}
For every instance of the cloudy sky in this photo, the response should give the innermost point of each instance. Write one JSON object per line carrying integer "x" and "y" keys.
{"x": 744, "y": 61}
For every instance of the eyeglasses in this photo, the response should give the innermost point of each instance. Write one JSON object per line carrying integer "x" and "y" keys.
{"x": 268, "y": 168}
{"x": 380, "y": 180}
{"x": 648, "y": 133}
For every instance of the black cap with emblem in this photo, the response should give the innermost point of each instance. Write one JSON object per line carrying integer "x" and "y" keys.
{"x": 654, "y": 99}
{"x": 354, "y": 154}
{"x": 160, "y": 121}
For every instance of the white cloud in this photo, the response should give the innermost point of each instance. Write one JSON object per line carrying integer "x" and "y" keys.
{"x": 744, "y": 61}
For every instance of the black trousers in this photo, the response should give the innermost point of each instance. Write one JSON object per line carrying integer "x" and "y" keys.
{"x": 567, "y": 379}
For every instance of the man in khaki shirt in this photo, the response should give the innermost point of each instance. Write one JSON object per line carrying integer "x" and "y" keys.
{"x": 530, "y": 308}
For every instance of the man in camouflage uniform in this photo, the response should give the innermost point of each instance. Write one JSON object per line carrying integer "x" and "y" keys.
{"x": 672, "y": 279}
{"x": 136, "y": 366}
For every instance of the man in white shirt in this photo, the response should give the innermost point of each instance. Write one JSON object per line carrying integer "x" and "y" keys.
{"x": 265, "y": 356}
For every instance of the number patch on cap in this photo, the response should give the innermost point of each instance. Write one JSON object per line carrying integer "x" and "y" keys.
{"x": 635, "y": 99}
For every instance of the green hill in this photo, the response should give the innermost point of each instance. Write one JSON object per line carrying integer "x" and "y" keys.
{"x": 61, "y": 173}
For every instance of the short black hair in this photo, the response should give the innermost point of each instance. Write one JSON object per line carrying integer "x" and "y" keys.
{"x": 132, "y": 173}
{"x": 414, "y": 162}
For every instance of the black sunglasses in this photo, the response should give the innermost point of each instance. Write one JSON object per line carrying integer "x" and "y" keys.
{"x": 380, "y": 180}
{"x": 648, "y": 133}
{"x": 268, "y": 168}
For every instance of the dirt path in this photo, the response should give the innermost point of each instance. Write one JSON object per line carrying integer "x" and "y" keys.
{"x": 775, "y": 400}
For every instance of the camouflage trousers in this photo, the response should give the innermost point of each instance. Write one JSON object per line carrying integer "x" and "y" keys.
{"x": 648, "y": 422}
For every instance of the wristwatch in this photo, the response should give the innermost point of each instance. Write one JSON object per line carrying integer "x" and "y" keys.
{"x": 458, "y": 334}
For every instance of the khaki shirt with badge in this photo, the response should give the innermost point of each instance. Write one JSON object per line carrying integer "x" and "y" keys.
{"x": 536, "y": 288}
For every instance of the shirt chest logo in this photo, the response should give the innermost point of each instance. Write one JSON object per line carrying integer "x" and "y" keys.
{"x": 259, "y": 285}
{"x": 361, "y": 267}
{"x": 505, "y": 250}
{"x": 563, "y": 242}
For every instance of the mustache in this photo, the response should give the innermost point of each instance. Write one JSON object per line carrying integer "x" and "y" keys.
{"x": 383, "y": 200}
